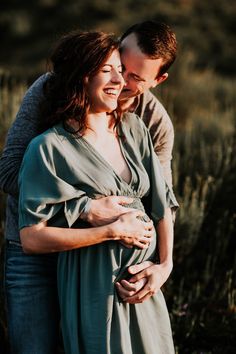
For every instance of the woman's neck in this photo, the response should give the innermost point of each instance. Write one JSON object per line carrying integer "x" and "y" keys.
{"x": 100, "y": 123}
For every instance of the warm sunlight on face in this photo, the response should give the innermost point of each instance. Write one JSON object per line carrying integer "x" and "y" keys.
{"x": 139, "y": 72}
{"x": 105, "y": 87}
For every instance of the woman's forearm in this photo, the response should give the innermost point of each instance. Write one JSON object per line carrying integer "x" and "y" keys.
{"x": 128, "y": 228}
{"x": 166, "y": 239}
{"x": 44, "y": 239}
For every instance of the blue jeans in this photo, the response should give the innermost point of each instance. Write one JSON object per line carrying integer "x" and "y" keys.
{"x": 32, "y": 302}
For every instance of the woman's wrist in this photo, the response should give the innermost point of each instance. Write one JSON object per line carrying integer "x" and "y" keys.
{"x": 167, "y": 265}
{"x": 113, "y": 231}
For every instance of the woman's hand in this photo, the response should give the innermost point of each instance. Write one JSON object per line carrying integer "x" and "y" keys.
{"x": 131, "y": 231}
{"x": 146, "y": 282}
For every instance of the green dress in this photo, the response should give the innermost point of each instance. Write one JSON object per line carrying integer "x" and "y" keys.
{"x": 58, "y": 174}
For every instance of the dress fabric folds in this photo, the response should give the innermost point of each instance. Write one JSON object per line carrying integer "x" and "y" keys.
{"x": 67, "y": 171}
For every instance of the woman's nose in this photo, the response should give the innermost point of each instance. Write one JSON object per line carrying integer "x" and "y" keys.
{"x": 118, "y": 78}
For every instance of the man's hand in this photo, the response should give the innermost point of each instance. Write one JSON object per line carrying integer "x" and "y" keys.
{"x": 148, "y": 278}
{"x": 105, "y": 210}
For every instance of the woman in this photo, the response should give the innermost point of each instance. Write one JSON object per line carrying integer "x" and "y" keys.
{"x": 91, "y": 151}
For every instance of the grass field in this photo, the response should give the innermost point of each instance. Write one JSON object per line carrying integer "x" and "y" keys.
{"x": 201, "y": 292}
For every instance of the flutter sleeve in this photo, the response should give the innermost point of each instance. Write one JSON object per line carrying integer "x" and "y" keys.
{"x": 44, "y": 190}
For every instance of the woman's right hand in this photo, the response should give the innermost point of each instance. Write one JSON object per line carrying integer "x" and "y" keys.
{"x": 131, "y": 231}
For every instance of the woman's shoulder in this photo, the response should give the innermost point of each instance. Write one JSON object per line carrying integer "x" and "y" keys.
{"x": 45, "y": 141}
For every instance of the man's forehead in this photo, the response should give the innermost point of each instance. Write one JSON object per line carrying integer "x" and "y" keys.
{"x": 130, "y": 43}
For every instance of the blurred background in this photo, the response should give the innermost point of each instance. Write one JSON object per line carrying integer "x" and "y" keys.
{"x": 200, "y": 98}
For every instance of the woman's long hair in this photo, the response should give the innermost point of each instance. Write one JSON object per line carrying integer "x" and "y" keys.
{"x": 76, "y": 56}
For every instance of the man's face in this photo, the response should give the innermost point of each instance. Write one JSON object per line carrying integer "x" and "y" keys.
{"x": 140, "y": 73}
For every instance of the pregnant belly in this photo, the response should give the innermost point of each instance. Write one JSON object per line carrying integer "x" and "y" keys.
{"x": 116, "y": 258}
{"x": 100, "y": 266}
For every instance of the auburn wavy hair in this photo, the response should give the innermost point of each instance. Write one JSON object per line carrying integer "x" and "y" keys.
{"x": 75, "y": 57}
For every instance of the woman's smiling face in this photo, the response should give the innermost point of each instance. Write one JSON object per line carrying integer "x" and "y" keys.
{"x": 103, "y": 88}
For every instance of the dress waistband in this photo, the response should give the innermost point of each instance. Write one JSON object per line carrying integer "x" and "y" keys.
{"x": 137, "y": 204}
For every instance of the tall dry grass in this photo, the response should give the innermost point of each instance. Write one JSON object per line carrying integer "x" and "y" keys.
{"x": 12, "y": 90}
{"x": 202, "y": 290}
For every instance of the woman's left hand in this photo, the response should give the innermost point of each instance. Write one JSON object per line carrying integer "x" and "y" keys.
{"x": 155, "y": 276}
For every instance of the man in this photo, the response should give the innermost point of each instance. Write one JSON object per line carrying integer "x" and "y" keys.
{"x": 147, "y": 51}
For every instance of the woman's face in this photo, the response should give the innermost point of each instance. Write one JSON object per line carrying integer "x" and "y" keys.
{"x": 104, "y": 88}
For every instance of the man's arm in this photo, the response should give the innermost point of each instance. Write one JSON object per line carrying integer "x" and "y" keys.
{"x": 23, "y": 130}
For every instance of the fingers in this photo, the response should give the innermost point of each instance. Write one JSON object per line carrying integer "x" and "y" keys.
{"x": 148, "y": 234}
{"x": 148, "y": 225}
{"x": 124, "y": 210}
{"x": 142, "y": 245}
{"x": 127, "y": 245}
{"x": 134, "y": 231}
{"x": 123, "y": 200}
{"x": 141, "y": 296}
{"x": 142, "y": 242}
{"x": 139, "y": 213}
{"x": 123, "y": 293}
{"x": 134, "y": 269}
{"x": 134, "y": 214}
{"x": 126, "y": 289}
{"x": 136, "y": 299}
{"x": 118, "y": 201}
{"x": 132, "y": 286}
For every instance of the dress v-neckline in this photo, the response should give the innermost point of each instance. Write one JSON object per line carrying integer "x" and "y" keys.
{"x": 107, "y": 163}
{"x": 96, "y": 154}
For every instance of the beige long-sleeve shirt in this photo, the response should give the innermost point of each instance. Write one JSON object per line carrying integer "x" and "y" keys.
{"x": 161, "y": 129}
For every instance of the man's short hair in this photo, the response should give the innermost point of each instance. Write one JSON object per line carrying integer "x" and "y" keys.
{"x": 156, "y": 40}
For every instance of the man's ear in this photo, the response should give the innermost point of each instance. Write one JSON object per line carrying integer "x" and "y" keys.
{"x": 160, "y": 79}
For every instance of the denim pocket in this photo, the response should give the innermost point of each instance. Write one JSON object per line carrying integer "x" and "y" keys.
{"x": 12, "y": 244}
